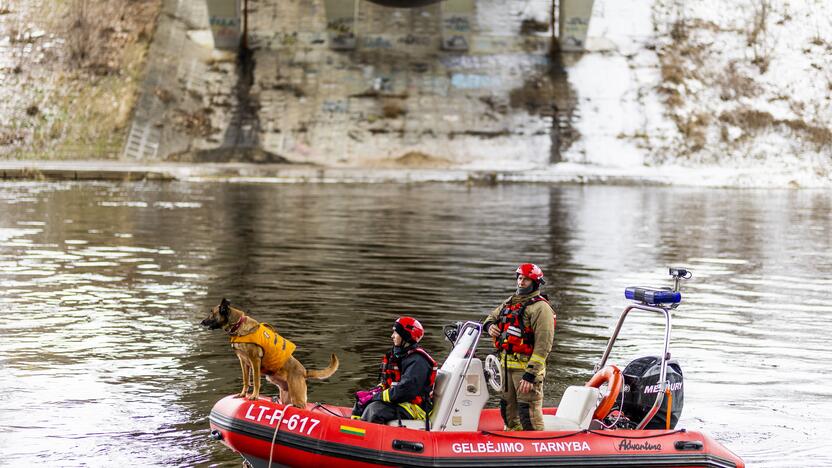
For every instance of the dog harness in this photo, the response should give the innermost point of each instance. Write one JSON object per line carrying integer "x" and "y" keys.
{"x": 276, "y": 349}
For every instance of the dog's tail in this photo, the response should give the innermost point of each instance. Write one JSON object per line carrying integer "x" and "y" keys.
{"x": 324, "y": 373}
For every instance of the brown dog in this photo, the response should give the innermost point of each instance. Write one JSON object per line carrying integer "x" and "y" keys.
{"x": 261, "y": 349}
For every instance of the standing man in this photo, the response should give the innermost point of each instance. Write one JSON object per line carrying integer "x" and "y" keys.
{"x": 523, "y": 328}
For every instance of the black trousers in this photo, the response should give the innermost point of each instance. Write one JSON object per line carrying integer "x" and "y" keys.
{"x": 381, "y": 412}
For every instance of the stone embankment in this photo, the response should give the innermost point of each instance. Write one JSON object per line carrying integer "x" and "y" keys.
{"x": 271, "y": 173}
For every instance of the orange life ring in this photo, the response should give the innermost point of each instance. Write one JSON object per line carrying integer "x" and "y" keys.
{"x": 612, "y": 375}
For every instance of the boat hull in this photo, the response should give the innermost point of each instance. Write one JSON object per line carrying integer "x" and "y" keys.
{"x": 324, "y": 435}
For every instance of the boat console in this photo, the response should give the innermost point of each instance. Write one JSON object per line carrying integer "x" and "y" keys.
{"x": 460, "y": 392}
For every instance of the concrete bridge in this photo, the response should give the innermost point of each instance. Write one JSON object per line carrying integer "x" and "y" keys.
{"x": 356, "y": 83}
{"x": 228, "y": 20}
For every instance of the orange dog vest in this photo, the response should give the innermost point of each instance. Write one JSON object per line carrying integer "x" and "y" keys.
{"x": 276, "y": 349}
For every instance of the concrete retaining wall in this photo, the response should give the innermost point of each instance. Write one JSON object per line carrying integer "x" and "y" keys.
{"x": 503, "y": 103}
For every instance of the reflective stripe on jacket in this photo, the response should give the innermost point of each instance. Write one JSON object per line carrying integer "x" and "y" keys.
{"x": 408, "y": 380}
{"x": 539, "y": 317}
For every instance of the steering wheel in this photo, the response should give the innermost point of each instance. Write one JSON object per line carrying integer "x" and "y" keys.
{"x": 609, "y": 374}
{"x": 493, "y": 372}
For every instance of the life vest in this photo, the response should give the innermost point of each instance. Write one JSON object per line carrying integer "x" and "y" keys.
{"x": 391, "y": 374}
{"x": 515, "y": 336}
{"x": 276, "y": 349}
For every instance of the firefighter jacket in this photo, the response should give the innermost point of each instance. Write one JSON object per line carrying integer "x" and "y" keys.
{"x": 276, "y": 349}
{"x": 538, "y": 320}
{"x": 407, "y": 380}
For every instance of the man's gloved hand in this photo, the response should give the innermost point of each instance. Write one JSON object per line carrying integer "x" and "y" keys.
{"x": 365, "y": 396}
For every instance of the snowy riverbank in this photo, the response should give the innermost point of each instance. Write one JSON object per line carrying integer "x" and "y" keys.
{"x": 564, "y": 173}
{"x": 707, "y": 93}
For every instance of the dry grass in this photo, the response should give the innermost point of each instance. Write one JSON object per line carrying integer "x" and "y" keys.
{"x": 80, "y": 98}
{"x": 679, "y": 31}
{"x": 748, "y": 119}
{"x": 821, "y": 137}
{"x": 694, "y": 128}
{"x": 93, "y": 28}
{"x": 735, "y": 84}
{"x": 11, "y": 137}
{"x": 681, "y": 60}
{"x": 755, "y": 121}
{"x": 197, "y": 123}
{"x": 757, "y": 36}
{"x": 673, "y": 69}
{"x": 758, "y": 26}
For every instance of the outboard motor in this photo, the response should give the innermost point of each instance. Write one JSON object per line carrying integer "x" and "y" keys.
{"x": 641, "y": 385}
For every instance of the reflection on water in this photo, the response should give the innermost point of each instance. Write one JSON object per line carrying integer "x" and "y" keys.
{"x": 102, "y": 287}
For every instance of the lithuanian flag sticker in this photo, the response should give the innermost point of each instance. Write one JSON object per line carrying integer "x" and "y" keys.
{"x": 357, "y": 431}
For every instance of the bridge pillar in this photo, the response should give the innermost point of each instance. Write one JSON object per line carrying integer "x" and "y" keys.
{"x": 573, "y": 22}
{"x": 457, "y": 19}
{"x": 225, "y": 18}
{"x": 340, "y": 23}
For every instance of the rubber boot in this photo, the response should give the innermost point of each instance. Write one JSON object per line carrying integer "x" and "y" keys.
{"x": 503, "y": 405}
{"x": 509, "y": 417}
{"x": 524, "y": 411}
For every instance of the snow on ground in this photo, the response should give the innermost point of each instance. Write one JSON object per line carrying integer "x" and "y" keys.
{"x": 712, "y": 93}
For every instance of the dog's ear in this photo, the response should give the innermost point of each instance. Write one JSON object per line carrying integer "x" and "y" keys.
{"x": 224, "y": 306}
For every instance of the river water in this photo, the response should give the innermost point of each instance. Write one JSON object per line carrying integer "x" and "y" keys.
{"x": 102, "y": 287}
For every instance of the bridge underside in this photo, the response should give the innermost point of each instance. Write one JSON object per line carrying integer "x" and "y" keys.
{"x": 228, "y": 21}
{"x": 449, "y": 84}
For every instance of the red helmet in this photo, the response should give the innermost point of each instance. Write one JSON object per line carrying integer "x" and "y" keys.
{"x": 409, "y": 328}
{"x": 531, "y": 271}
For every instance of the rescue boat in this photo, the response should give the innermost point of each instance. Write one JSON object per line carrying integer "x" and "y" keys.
{"x": 620, "y": 418}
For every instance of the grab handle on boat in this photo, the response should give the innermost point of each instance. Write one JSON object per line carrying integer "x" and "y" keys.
{"x": 416, "y": 447}
{"x": 688, "y": 445}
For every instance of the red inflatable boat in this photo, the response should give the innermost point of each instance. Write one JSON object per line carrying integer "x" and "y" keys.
{"x": 461, "y": 433}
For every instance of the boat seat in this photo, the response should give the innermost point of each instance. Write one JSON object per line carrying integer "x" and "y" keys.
{"x": 574, "y": 411}
{"x": 462, "y": 411}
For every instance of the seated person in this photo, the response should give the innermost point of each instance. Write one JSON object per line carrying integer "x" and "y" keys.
{"x": 408, "y": 373}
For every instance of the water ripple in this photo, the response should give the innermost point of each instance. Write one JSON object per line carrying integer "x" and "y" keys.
{"x": 102, "y": 287}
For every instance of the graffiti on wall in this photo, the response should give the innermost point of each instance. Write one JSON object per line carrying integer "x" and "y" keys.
{"x": 334, "y": 107}
{"x": 410, "y": 39}
{"x": 224, "y": 20}
{"x": 375, "y": 42}
{"x": 457, "y": 24}
{"x": 473, "y": 81}
{"x": 491, "y": 62}
{"x": 574, "y": 31}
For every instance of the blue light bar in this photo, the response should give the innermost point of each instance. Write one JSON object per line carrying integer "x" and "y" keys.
{"x": 652, "y": 296}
